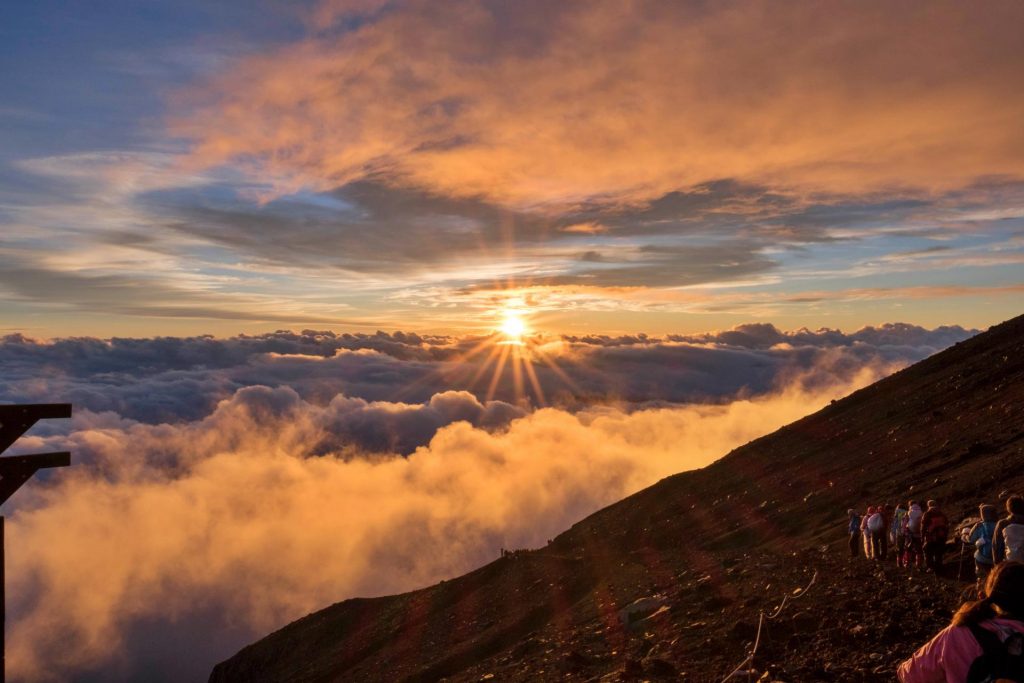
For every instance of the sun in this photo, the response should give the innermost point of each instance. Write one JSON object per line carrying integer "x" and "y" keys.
{"x": 513, "y": 325}
{"x": 515, "y": 355}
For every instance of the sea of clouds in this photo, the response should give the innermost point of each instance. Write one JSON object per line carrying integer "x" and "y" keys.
{"x": 224, "y": 487}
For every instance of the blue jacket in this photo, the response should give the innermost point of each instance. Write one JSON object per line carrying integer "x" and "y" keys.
{"x": 983, "y": 531}
{"x": 855, "y": 524}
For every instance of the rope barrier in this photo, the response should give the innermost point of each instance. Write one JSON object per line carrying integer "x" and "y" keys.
{"x": 753, "y": 651}
{"x": 796, "y": 595}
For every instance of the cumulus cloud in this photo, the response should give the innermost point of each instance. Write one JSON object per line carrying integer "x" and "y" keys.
{"x": 171, "y": 379}
{"x": 540, "y": 104}
{"x": 202, "y": 535}
{"x": 223, "y": 487}
{"x": 766, "y": 335}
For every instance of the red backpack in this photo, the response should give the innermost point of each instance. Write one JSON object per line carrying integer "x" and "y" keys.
{"x": 938, "y": 528}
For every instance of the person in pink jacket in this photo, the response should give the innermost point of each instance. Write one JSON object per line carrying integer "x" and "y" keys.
{"x": 997, "y": 620}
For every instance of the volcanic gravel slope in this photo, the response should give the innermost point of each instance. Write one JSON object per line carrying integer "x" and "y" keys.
{"x": 717, "y": 546}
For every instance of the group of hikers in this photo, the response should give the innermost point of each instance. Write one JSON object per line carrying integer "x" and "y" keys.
{"x": 917, "y": 537}
{"x": 985, "y": 641}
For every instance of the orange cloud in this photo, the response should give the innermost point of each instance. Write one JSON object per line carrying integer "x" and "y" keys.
{"x": 719, "y": 297}
{"x": 231, "y": 514}
{"x": 588, "y": 228}
{"x": 534, "y": 104}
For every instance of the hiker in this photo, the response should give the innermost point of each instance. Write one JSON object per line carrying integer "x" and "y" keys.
{"x": 876, "y": 527}
{"x": 981, "y": 537}
{"x": 898, "y": 534}
{"x": 887, "y": 515}
{"x": 866, "y": 533}
{"x": 934, "y": 532}
{"x": 1008, "y": 540}
{"x": 980, "y": 643}
{"x": 915, "y": 547}
{"x": 854, "y": 529}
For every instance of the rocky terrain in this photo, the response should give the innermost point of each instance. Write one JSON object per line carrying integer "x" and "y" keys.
{"x": 706, "y": 552}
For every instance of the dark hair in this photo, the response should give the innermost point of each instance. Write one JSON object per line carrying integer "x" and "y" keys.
{"x": 1004, "y": 589}
{"x": 1015, "y": 505}
{"x": 988, "y": 513}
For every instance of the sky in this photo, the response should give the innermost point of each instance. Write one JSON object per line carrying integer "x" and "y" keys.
{"x": 193, "y": 167}
{"x": 348, "y": 295}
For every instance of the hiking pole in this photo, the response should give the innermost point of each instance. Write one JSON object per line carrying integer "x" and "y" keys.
{"x": 960, "y": 565}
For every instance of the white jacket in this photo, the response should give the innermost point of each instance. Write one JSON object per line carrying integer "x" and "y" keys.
{"x": 1013, "y": 538}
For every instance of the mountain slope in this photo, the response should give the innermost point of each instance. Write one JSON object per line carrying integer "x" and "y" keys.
{"x": 716, "y": 545}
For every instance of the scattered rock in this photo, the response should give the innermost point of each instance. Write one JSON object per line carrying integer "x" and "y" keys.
{"x": 743, "y": 630}
{"x": 640, "y": 609}
{"x": 717, "y": 602}
{"x": 656, "y": 666}
{"x": 633, "y": 668}
{"x": 804, "y": 621}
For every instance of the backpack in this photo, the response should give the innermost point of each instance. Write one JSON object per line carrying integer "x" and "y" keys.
{"x": 938, "y": 528}
{"x": 984, "y": 544}
{"x": 876, "y": 523}
{"x": 1000, "y": 661}
{"x": 1013, "y": 538}
{"x": 899, "y": 525}
{"x": 914, "y": 521}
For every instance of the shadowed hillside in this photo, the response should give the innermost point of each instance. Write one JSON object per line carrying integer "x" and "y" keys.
{"x": 716, "y": 546}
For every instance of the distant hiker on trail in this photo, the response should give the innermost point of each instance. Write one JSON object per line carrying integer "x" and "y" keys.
{"x": 935, "y": 532}
{"x": 984, "y": 641}
{"x": 876, "y": 527}
{"x": 898, "y": 534}
{"x": 854, "y": 529}
{"x": 981, "y": 537}
{"x": 1008, "y": 543}
{"x": 915, "y": 543}
{"x": 865, "y": 532}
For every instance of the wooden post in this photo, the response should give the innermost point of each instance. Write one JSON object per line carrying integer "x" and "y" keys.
{"x": 15, "y": 470}
{"x": 3, "y": 607}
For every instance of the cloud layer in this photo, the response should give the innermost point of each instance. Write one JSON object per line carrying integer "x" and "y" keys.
{"x": 203, "y": 535}
{"x": 538, "y": 104}
{"x": 174, "y": 379}
{"x": 207, "y": 507}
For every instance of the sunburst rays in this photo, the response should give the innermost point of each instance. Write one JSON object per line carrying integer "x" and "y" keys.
{"x": 509, "y": 362}
{"x": 509, "y": 359}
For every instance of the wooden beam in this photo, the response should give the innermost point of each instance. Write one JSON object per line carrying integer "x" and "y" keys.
{"x": 36, "y": 461}
{"x": 15, "y": 420}
{"x": 42, "y": 411}
{"x": 15, "y": 470}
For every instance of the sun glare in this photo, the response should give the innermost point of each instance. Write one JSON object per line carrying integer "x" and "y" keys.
{"x": 513, "y": 358}
{"x": 513, "y": 326}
